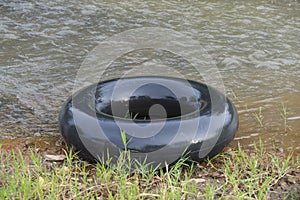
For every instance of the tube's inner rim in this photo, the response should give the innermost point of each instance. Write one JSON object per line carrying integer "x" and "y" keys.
{"x": 107, "y": 111}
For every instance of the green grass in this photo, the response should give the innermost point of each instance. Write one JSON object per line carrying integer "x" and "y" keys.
{"x": 284, "y": 115}
{"x": 258, "y": 116}
{"x": 231, "y": 175}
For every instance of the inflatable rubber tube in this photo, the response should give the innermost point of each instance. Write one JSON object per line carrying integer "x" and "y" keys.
{"x": 186, "y": 116}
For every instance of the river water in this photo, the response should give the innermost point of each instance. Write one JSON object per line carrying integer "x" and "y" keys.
{"x": 254, "y": 44}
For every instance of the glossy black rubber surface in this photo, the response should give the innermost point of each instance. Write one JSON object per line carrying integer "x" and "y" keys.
{"x": 216, "y": 115}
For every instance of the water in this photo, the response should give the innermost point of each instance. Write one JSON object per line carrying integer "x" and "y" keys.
{"x": 255, "y": 45}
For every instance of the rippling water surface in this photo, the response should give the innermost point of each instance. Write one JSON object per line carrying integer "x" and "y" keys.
{"x": 254, "y": 44}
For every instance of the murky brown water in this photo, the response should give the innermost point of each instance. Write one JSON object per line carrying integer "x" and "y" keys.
{"x": 255, "y": 45}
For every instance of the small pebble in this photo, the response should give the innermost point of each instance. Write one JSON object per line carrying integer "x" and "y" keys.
{"x": 49, "y": 157}
{"x": 37, "y": 134}
{"x": 280, "y": 150}
{"x": 27, "y": 143}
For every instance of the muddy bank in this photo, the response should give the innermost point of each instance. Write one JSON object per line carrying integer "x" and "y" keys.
{"x": 51, "y": 145}
{"x": 55, "y": 144}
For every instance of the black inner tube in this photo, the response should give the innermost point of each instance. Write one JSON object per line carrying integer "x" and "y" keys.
{"x": 192, "y": 104}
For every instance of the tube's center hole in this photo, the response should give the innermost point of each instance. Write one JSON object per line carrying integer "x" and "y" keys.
{"x": 151, "y": 101}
